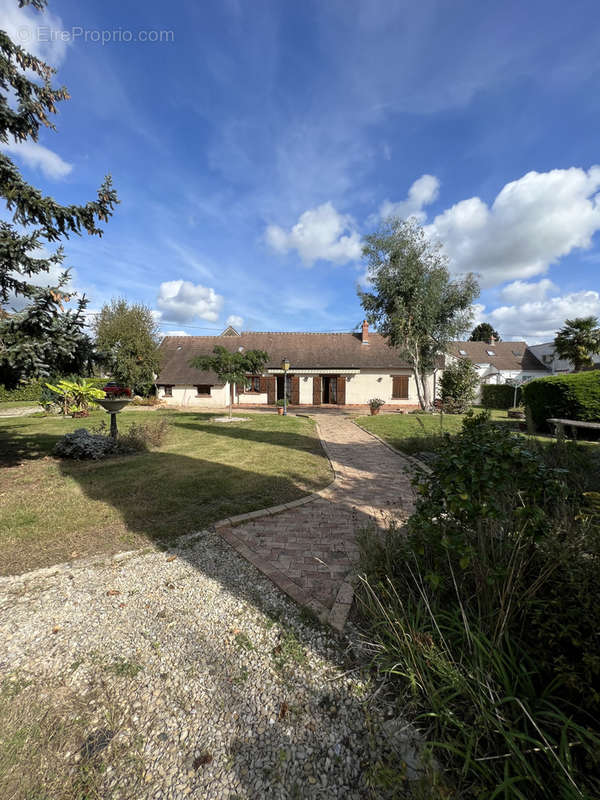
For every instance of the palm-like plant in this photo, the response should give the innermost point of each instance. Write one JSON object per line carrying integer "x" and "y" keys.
{"x": 79, "y": 393}
{"x": 578, "y": 341}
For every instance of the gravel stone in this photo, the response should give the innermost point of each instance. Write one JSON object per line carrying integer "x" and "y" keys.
{"x": 218, "y": 686}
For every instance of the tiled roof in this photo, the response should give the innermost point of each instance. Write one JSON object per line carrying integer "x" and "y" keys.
{"x": 303, "y": 350}
{"x": 505, "y": 355}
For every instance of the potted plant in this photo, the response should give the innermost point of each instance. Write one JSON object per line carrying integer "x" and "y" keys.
{"x": 375, "y": 404}
{"x": 280, "y": 406}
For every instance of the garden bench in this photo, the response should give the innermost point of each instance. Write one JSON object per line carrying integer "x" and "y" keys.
{"x": 561, "y": 424}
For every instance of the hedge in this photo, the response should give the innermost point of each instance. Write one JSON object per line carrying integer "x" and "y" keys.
{"x": 501, "y": 395}
{"x": 33, "y": 391}
{"x": 574, "y": 396}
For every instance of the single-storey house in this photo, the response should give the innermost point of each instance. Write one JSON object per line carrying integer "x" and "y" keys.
{"x": 326, "y": 369}
{"x": 500, "y": 362}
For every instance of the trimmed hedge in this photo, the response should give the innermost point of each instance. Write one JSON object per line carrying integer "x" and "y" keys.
{"x": 33, "y": 391}
{"x": 574, "y": 396}
{"x": 501, "y": 395}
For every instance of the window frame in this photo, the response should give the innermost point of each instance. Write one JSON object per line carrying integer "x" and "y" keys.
{"x": 167, "y": 389}
{"x": 252, "y": 385}
{"x": 401, "y": 396}
{"x": 204, "y": 386}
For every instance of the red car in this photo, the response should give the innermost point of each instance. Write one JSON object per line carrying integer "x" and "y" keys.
{"x": 116, "y": 389}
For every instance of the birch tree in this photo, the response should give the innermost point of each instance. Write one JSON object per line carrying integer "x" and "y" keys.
{"x": 412, "y": 299}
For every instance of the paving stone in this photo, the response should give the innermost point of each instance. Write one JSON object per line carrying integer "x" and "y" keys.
{"x": 310, "y": 548}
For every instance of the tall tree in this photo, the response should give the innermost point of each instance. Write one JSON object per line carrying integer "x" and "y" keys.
{"x": 27, "y": 98}
{"x": 484, "y": 333}
{"x": 232, "y": 368}
{"x": 413, "y": 301}
{"x": 127, "y": 340}
{"x": 578, "y": 341}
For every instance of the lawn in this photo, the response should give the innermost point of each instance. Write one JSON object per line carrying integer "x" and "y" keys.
{"x": 53, "y": 510}
{"x": 409, "y": 432}
{"x": 8, "y": 405}
{"x": 414, "y": 433}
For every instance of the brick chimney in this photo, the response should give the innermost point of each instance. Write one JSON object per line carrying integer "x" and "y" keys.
{"x": 364, "y": 336}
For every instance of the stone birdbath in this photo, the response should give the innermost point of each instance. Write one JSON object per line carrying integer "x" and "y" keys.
{"x": 113, "y": 405}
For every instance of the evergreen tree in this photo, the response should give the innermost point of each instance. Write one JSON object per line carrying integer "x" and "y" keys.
{"x": 42, "y": 338}
{"x": 578, "y": 341}
{"x": 413, "y": 302}
{"x": 127, "y": 340}
{"x": 484, "y": 333}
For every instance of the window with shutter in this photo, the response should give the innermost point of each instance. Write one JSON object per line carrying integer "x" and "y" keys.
{"x": 317, "y": 390}
{"x": 400, "y": 387}
{"x": 341, "y": 390}
{"x": 295, "y": 393}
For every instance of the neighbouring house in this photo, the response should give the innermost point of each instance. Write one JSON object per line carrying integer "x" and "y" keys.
{"x": 326, "y": 369}
{"x": 546, "y": 353}
{"x": 500, "y": 362}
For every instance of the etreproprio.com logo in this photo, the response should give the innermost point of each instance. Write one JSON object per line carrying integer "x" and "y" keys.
{"x": 45, "y": 34}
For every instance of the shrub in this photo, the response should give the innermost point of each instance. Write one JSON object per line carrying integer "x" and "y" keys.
{"x": 143, "y": 436}
{"x": 81, "y": 445}
{"x": 484, "y": 606}
{"x": 458, "y": 386}
{"x": 574, "y": 396}
{"x": 28, "y": 391}
{"x": 501, "y": 395}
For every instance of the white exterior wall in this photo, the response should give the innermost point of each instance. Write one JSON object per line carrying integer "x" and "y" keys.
{"x": 186, "y": 396}
{"x": 372, "y": 383}
{"x": 253, "y": 398}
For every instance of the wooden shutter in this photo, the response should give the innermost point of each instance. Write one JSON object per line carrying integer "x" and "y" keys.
{"x": 317, "y": 390}
{"x": 400, "y": 387}
{"x": 263, "y": 385}
{"x": 271, "y": 389}
{"x": 295, "y": 393}
{"x": 341, "y": 390}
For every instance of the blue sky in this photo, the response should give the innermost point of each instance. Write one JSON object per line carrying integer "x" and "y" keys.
{"x": 254, "y": 148}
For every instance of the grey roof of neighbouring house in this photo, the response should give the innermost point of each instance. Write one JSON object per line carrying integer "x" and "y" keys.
{"x": 304, "y": 350}
{"x": 506, "y": 355}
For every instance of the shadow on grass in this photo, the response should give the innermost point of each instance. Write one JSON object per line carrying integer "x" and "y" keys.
{"x": 238, "y": 430}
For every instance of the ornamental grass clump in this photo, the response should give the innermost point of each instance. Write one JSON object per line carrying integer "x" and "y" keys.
{"x": 484, "y": 609}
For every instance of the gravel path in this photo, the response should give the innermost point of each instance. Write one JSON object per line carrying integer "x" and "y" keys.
{"x": 176, "y": 675}
{"x": 19, "y": 411}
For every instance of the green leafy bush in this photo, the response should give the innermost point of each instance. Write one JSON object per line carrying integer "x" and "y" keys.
{"x": 574, "y": 396}
{"x": 501, "y": 395}
{"x": 35, "y": 390}
{"x": 458, "y": 386}
{"x": 485, "y": 607}
{"x": 28, "y": 391}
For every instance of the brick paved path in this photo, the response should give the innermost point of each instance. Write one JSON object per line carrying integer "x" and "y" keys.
{"x": 310, "y": 550}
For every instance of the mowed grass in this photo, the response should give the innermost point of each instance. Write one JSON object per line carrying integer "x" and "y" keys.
{"x": 412, "y": 433}
{"x": 53, "y": 510}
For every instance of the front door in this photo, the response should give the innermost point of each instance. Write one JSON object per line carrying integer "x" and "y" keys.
{"x": 288, "y": 389}
{"x": 330, "y": 389}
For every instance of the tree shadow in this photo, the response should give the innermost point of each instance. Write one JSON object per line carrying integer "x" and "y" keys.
{"x": 24, "y": 445}
{"x": 234, "y": 430}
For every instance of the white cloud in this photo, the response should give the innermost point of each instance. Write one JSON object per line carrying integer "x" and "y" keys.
{"x": 39, "y": 157}
{"x": 538, "y": 320}
{"x": 34, "y": 31}
{"x": 519, "y": 292}
{"x": 235, "y": 321}
{"x": 532, "y": 223}
{"x": 182, "y": 301}
{"x": 423, "y": 192}
{"x": 320, "y": 233}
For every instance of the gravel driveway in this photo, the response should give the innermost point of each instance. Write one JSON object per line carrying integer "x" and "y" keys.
{"x": 176, "y": 675}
